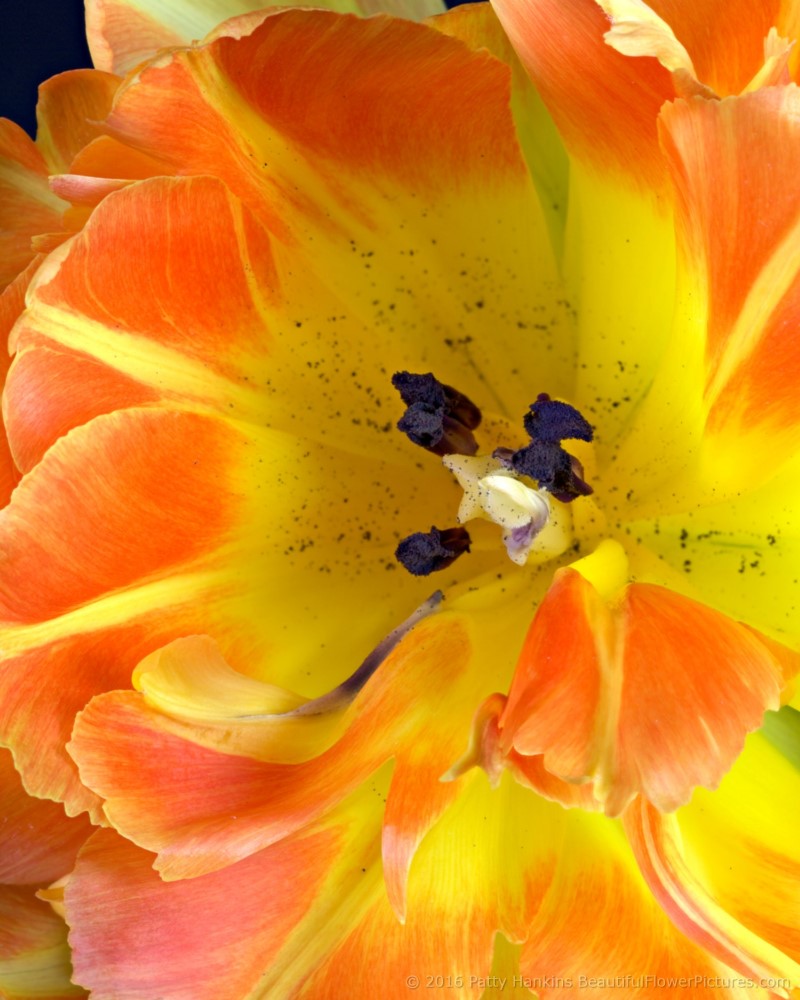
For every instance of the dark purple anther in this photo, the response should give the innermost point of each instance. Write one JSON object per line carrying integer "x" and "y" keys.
{"x": 422, "y": 554}
{"x": 439, "y": 418}
{"x": 548, "y": 423}
{"x": 552, "y": 421}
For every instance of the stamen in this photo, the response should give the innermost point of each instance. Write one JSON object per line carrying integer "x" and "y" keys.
{"x": 555, "y": 470}
{"x": 552, "y": 421}
{"x": 439, "y": 418}
{"x": 342, "y": 695}
{"x": 422, "y": 554}
{"x": 548, "y": 423}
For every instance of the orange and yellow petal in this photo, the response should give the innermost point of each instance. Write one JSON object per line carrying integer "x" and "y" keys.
{"x": 711, "y": 49}
{"x": 305, "y": 914}
{"x": 641, "y": 691}
{"x": 12, "y": 302}
{"x": 27, "y": 206}
{"x": 69, "y": 113}
{"x": 726, "y": 867}
{"x": 728, "y": 161}
{"x": 300, "y": 917}
{"x": 34, "y": 955}
{"x": 482, "y": 871}
{"x": 48, "y": 632}
{"x": 407, "y": 211}
{"x": 170, "y": 467}
{"x": 732, "y": 349}
{"x": 123, "y": 33}
{"x": 604, "y": 103}
{"x": 600, "y": 930}
{"x": 477, "y": 25}
{"x": 172, "y": 537}
{"x": 148, "y": 799}
{"x": 605, "y": 68}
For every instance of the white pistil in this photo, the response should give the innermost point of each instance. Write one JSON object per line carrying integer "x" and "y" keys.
{"x": 528, "y": 517}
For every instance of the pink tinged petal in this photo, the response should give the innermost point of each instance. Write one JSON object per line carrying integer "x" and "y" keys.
{"x": 40, "y": 843}
{"x": 260, "y": 925}
{"x": 34, "y": 955}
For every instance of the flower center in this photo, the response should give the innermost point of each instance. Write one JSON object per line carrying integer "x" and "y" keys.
{"x": 497, "y": 487}
{"x": 493, "y": 491}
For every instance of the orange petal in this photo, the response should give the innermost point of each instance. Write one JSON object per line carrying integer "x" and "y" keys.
{"x": 555, "y": 881}
{"x": 238, "y": 65}
{"x": 43, "y": 688}
{"x": 605, "y": 103}
{"x": 69, "y": 114}
{"x": 85, "y": 191}
{"x": 730, "y": 165}
{"x": 725, "y": 867}
{"x": 289, "y": 290}
{"x": 726, "y": 40}
{"x": 653, "y": 694}
{"x": 120, "y": 36}
{"x": 34, "y": 955}
{"x": 485, "y": 751}
{"x": 736, "y": 47}
{"x": 40, "y": 843}
{"x": 211, "y": 313}
{"x": 497, "y": 860}
{"x": 168, "y": 468}
{"x": 52, "y": 391}
{"x": 219, "y": 320}
{"x": 45, "y": 243}
{"x": 105, "y": 157}
{"x": 27, "y": 207}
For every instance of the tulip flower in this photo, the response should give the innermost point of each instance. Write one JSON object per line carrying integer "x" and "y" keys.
{"x": 401, "y": 574}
